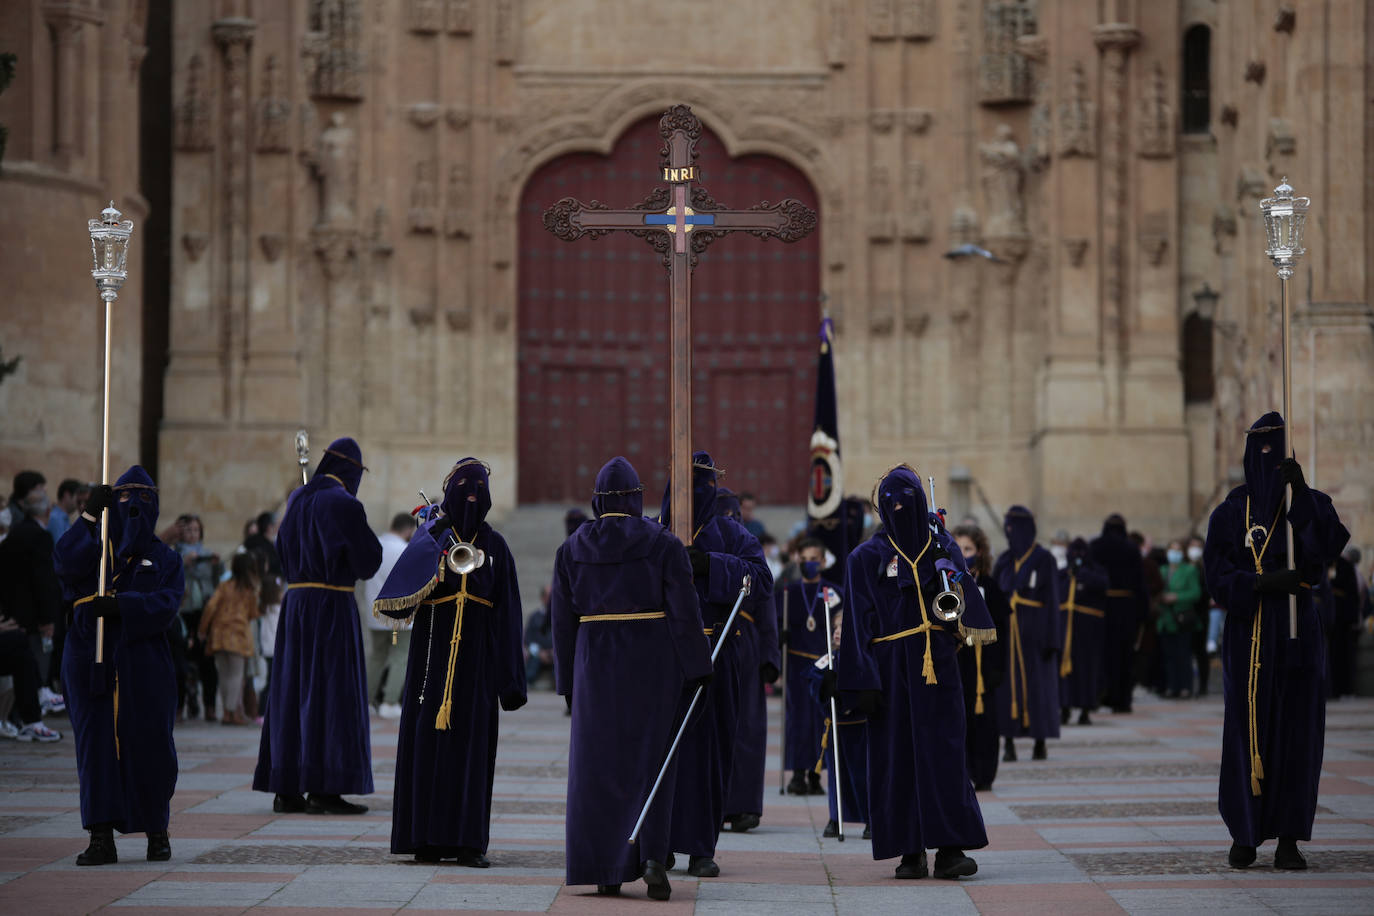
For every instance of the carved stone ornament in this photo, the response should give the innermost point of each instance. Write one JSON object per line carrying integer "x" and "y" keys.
{"x": 507, "y": 31}
{"x": 1075, "y": 248}
{"x": 334, "y": 165}
{"x": 425, "y": 17}
{"x": 457, "y": 117}
{"x": 1003, "y": 176}
{"x": 1282, "y": 141}
{"x": 380, "y": 238}
{"x": 915, "y": 320}
{"x": 272, "y": 115}
{"x": 458, "y": 17}
{"x": 882, "y": 121}
{"x": 917, "y": 219}
{"x": 1285, "y": 19}
{"x": 882, "y": 317}
{"x": 1077, "y": 118}
{"x": 335, "y": 248}
{"x": 917, "y": 120}
{"x": 1156, "y": 121}
{"x": 422, "y": 214}
{"x": 194, "y": 243}
{"x": 916, "y": 19}
{"x": 1251, "y": 182}
{"x": 271, "y": 244}
{"x": 882, "y": 19}
{"x": 1255, "y": 71}
{"x": 1154, "y": 237}
{"x": 191, "y": 120}
{"x": 458, "y": 319}
{"x": 1229, "y": 115}
{"x": 837, "y": 37}
{"x": 423, "y": 316}
{"x": 457, "y": 212}
{"x": 336, "y": 46}
{"x": 136, "y": 34}
{"x": 423, "y": 114}
{"x": 1004, "y": 76}
{"x": 881, "y": 226}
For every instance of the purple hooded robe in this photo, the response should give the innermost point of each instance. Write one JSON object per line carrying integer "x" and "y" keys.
{"x": 1028, "y": 700}
{"x": 122, "y": 710}
{"x": 627, "y": 636}
{"x": 1126, "y": 603}
{"x": 1275, "y": 720}
{"x": 1082, "y": 595}
{"x": 315, "y": 736}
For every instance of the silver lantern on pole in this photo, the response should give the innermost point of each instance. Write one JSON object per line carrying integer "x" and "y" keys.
{"x": 109, "y": 256}
{"x": 1285, "y": 217}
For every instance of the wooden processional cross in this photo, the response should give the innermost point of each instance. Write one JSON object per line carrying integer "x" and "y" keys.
{"x": 680, "y": 222}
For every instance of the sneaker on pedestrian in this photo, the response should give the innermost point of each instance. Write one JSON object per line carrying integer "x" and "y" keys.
{"x": 37, "y": 731}
{"x": 389, "y": 710}
{"x": 51, "y": 702}
{"x": 8, "y": 729}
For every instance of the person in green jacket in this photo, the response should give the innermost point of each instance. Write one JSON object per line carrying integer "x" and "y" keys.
{"x": 1176, "y": 621}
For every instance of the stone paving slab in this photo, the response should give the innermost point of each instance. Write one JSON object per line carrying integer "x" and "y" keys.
{"x": 1121, "y": 818}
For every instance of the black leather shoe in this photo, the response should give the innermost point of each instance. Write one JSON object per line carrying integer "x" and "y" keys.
{"x": 101, "y": 850}
{"x": 913, "y": 866}
{"x": 1009, "y": 752}
{"x": 703, "y": 867}
{"x": 656, "y": 877}
{"x": 159, "y": 847}
{"x": 743, "y": 822}
{"x": 951, "y": 863}
{"x": 473, "y": 858}
{"x": 813, "y": 784}
{"x": 831, "y": 828}
{"x": 289, "y": 804}
{"x": 1039, "y": 752}
{"x": 331, "y": 804}
{"x": 797, "y": 786}
{"x": 608, "y": 890}
{"x": 1287, "y": 855}
{"x": 429, "y": 855}
{"x": 670, "y": 863}
{"x": 1241, "y": 856}
{"x": 868, "y": 833}
{"x": 982, "y": 787}
{"x": 1084, "y": 718}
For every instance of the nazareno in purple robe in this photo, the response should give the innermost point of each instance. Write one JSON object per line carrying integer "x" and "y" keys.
{"x": 919, "y": 792}
{"x": 1126, "y": 604}
{"x": 1028, "y": 700}
{"x": 758, "y": 647}
{"x": 706, "y": 756}
{"x": 982, "y": 744}
{"x": 465, "y": 660}
{"x": 315, "y": 737}
{"x": 122, "y": 710}
{"x": 804, "y": 647}
{"x": 1276, "y": 696}
{"x": 1082, "y": 595}
{"x": 627, "y": 636}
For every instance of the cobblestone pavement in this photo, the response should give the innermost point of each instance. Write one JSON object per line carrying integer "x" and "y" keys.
{"x": 1122, "y": 817}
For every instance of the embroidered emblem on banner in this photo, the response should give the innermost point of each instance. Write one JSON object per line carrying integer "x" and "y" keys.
{"x": 826, "y": 480}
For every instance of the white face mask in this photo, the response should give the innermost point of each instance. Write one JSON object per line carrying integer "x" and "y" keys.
{"x": 1195, "y": 553}
{"x": 1061, "y": 555}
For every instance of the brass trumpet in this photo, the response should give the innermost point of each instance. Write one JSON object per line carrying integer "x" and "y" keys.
{"x": 949, "y": 604}
{"x": 461, "y": 556}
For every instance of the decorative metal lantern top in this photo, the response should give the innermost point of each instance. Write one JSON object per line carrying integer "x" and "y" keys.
{"x": 1284, "y": 218}
{"x": 110, "y": 251}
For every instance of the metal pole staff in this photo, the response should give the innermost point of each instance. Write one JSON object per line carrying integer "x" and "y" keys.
{"x": 1284, "y": 219}
{"x": 696, "y": 698}
{"x": 303, "y": 454}
{"x": 834, "y": 715}
{"x": 782, "y": 748}
{"x": 109, "y": 256}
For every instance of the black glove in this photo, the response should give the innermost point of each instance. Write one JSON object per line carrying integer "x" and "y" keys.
{"x": 106, "y": 606}
{"x": 1291, "y": 472}
{"x": 702, "y": 681}
{"x": 101, "y": 498}
{"x": 1280, "y": 580}
{"x": 439, "y": 527}
{"x": 829, "y": 686}
{"x": 870, "y": 702}
{"x": 769, "y": 672}
{"x": 701, "y": 562}
{"x": 783, "y": 637}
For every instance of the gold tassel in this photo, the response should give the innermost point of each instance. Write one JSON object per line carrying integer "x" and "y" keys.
{"x": 928, "y": 666}
{"x": 1066, "y": 666}
{"x": 825, "y": 742}
{"x": 441, "y": 721}
{"x": 978, "y": 694}
{"x": 116, "y": 715}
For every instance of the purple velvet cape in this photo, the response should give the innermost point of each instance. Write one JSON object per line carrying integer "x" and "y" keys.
{"x": 982, "y": 739}
{"x": 1082, "y": 686}
{"x": 1290, "y": 709}
{"x": 315, "y": 737}
{"x": 444, "y": 777}
{"x": 804, "y": 716}
{"x": 1041, "y": 636}
{"x": 626, "y": 682}
{"x": 1126, "y": 604}
{"x": 131, "y": 789}
{"x": 919, "y": 792}
{"x": 758, "y": 647}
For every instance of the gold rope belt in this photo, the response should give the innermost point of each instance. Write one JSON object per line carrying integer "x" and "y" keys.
{"x": 605, "y": 618}
{"x": 1120, "y": 593}
{"x": 747, "y": 616}
{"x": 1252, "y": 686}
{"x": 324, "y": 585}
{"x": 1018, "y": 660}
{"x": 800, "y": 653}
{"x": 461, "y": 597}
{"x": 928, "y": 662}
{"x": 1072, "y": 607}
{"x": 902, "y": 634}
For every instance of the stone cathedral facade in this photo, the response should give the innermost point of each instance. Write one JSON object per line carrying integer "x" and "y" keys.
{"x": 346, "y": 183}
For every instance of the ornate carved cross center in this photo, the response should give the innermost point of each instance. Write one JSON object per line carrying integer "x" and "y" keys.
{"x": 680, "y": 223}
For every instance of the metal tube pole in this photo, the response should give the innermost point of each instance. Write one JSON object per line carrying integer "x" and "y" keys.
{"x": 691, "y": 707}
{"x": 105, "y": 479}
{"x": 782, "y": 747}
{"x": 834, "y": 716}
{"x": 1288, "y": 431}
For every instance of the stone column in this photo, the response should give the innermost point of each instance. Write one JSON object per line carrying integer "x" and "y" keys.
{"x": 235, "y": 37}
{"x": 67, "y": 22}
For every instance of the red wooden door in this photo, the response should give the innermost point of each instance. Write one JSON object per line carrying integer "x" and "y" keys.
{"x": 593, "y": 333}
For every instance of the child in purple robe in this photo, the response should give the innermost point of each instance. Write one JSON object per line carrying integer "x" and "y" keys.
{"x": 1028, "y": 700}
{"x": 897, "y": 664}
{"x": 126, "y": 763}
{"x": 801, "y": 601}
{"x": 1275, "y": 720}
{"x": 627, "y": 639}
{"x": 466, "y": 660}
